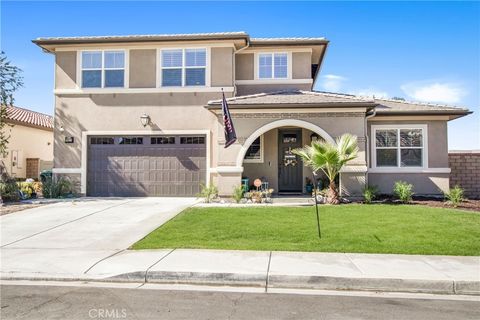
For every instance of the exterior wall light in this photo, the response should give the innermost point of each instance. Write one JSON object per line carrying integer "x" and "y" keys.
{"x": 145, "y": 119}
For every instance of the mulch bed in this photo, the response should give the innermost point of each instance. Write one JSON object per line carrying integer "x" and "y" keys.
{"x": 472, "y": 205}
{"x": 468, "y": 204}
{"x": 11, "y": 207}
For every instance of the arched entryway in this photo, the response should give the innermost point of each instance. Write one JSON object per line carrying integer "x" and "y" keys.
{"x": 278, "y": 124}
{"x": 266, "y": 152}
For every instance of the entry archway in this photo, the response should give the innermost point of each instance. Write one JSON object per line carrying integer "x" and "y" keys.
{"x": 277, "y": 124}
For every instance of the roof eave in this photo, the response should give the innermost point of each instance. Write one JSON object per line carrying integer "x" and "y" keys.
{"x": 27, "y": 124}
{"x": 46, "y": 43}
{"x": 268, "y": 43}
{"x": 453, "y": 114}
{"x": 218, "y": 105}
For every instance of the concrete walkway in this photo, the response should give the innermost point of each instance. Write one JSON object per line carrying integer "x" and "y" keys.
{"x": 67, "y": 238}
{"x": 265, "y": 269}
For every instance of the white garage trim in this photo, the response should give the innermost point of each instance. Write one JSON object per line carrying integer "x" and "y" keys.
{"x": 86, "y": 134}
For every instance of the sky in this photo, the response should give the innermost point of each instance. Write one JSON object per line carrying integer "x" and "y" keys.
{"x": 421, "y": 51}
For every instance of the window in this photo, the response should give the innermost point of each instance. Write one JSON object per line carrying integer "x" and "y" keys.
{"x": 130, "y": 140}
{"x": 103, "y": 69}
{"x": 162, "y": 140}
{"x": 192, "y": 140}
{"x": 254, "y": 153}
{"x": 273, "y": 65}
{"x": 101, "y": 140}
{"x": 399, "y": 147}
{"x": 184, "y": 67}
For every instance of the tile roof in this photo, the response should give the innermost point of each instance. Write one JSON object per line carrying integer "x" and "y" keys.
{"x": 29, "y": 117}
{"x": 318, "y": 98}
{"x": 295, "y": 97}
{"x": 401, "y": 106}
{"x": 179, "y": 36}
{"x": 144, "y": 37}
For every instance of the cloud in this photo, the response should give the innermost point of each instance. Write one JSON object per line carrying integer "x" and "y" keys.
{"x": 371, "y": 92}
{"x": 332, "y": 82}
{"x": 434, "y": 91}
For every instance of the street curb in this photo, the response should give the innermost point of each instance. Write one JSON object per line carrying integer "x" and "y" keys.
{"x": 207, "y": 278}
{"x": 467, "y": 287}
{"x": 449, "y": 287}
{"x": 363, "y": 284}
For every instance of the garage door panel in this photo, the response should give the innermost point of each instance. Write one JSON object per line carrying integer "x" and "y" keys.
{"x": 145, "y": 170}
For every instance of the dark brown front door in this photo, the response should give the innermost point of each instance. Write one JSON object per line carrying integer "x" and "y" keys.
{"x": 289, "y": 165}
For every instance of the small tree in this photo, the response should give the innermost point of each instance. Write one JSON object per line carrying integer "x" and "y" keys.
{"x": 330, "y": 158}
{"x": 10, "y": 81}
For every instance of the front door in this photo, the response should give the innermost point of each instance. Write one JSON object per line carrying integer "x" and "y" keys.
{"x": 289, "y": 165}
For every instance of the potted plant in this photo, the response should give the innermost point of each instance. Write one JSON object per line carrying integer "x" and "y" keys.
{"x": 256, "y": 196}
{"x": 267, "y": 194}
{"x": 308, "y": 185}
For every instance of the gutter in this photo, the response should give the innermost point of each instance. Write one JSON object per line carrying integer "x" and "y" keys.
{"x": 320, "y": 63}
{"x": 367, "y": 144}
{"x": 247, "y": 40}
{"x": 293, "y": 105}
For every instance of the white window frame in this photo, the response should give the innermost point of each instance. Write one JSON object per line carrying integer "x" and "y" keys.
{"x": 183, "y": 67}
{"x": 398, "y": 167}
{"x": 272, "y": 53}
{"x": 102, "y": 69}
{"x": 261, "y": 159}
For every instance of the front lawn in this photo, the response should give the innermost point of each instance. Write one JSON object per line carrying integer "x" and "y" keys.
{"x": 408, "y": 229}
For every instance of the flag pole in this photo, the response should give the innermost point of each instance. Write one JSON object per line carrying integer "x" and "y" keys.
{"x": 316, "y": 203}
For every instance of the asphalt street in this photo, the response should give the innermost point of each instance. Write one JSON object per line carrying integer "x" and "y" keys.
{"x": 77, "y": 302}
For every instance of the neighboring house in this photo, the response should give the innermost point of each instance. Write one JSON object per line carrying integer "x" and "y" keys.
{"x": 141, "y": 115}
{"x": 30, "y": 147}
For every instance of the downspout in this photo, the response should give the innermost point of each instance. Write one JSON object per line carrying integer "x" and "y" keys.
{"x": 367, "y": 145}
{"x": 235, "y": 65}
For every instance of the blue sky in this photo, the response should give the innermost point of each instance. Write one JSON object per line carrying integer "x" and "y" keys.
{"x": 427, "y": 51}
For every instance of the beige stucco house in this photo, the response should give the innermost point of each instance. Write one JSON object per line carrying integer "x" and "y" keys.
{"x": 30, "y": 146}
{"x": 140, "y": 115}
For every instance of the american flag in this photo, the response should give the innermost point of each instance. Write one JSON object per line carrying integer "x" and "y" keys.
{"x": 230, "y": 135}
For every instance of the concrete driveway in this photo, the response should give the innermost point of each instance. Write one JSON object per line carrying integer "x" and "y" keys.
{"x": 70, "y": 237}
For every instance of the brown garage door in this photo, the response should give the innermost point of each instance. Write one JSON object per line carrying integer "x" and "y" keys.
{"x": 131, "y": 166}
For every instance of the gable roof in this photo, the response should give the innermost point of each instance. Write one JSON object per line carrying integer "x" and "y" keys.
{"x": 290, "y": 98}
{"x": 29, "y": 117}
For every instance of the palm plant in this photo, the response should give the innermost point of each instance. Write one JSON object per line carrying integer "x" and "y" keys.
{"x": 329, "y": 158}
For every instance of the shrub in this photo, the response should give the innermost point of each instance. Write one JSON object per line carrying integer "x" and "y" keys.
{"x": 56, "y": 187}
{"x": 370, "y": 193}
{"x": 403, "y": 191}
{"x": 9, "y": 190}
{"x": 208, "y": 193}
{"x": 454, "y": 196}
{"x": 26, "y": 189}
{"x": 237, "y": 193}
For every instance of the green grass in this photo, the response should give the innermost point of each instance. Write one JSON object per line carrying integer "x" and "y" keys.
{"x": 407, "y": 229}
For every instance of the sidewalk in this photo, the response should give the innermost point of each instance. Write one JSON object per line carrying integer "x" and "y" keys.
{"x": 329, "y": 271}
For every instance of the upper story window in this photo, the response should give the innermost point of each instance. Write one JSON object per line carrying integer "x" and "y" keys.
{"x": 273, "y": 65}
{"x": 399, "y": 147}
{"x": 103, "y": 69}
{"x": 183, "y": 67}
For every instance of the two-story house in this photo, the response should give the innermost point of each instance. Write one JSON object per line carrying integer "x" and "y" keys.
{"x": 141, "y": 115}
